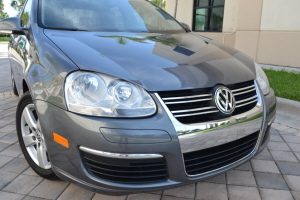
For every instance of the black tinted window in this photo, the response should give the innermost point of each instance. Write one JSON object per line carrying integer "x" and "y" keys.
{"x": 104, "y": 15}
{"x": 26, "y": 14}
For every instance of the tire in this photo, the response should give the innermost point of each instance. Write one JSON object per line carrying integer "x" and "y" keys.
{"x": 15, "y": 91}
{"x": 31, "y": 138}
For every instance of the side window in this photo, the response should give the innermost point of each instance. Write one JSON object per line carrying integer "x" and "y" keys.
{"x": 26, "y": 14}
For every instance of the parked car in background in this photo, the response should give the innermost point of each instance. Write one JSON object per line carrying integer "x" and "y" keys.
{"x": 118, "y": 97}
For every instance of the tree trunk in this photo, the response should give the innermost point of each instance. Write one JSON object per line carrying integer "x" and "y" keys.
{"x": 175, "y": 12}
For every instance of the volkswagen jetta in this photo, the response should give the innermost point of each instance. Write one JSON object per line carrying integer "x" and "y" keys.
{"x": 118, "y": 97}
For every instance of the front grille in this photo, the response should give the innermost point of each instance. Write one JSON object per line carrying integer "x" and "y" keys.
{"x": 128, "y": 171}
{"x": 197, "y": 105}
{"x": 213, "y": 158}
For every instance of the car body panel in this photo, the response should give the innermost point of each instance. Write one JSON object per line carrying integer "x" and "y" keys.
{"x": 186, "y": 60}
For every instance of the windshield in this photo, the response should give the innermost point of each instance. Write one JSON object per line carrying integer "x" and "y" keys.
{"x": 104, "y": 15}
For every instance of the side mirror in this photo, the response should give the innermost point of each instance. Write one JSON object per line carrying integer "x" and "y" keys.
{"x": 12, "y": 25}
{"x": 187, "y": 27}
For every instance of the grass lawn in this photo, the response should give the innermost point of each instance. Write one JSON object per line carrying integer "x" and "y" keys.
{"x": 285, "y": 84}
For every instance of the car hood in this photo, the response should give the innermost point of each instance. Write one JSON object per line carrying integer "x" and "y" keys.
{"x": 156, "y": 62}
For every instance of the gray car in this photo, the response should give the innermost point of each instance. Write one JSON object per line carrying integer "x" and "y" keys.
{"x": 118, "y": 97}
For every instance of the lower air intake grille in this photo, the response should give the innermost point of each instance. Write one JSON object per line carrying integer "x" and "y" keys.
{"x": 129, "y": 171}
{"x": 210, "y": 159}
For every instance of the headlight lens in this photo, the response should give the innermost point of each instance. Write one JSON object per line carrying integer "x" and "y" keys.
{"x": 262, "y": 80}
{"x": 102, "y": 95}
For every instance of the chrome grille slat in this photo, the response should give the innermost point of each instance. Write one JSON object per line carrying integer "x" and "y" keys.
{"x": 200, "y": 113}
{"x": 193, "y": 110}
{"x": 179, "y": 102}
{"x": 186, "y": 97}
{"x": 244, "y": 92}
{"x": 246, "y": 103}
{"x": 241, "y": 89}
{"x": 198, "y": 105}
{"x": 248, "y": 99}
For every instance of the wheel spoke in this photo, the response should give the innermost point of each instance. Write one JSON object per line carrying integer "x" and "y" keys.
{"x": 42, "y": 156}
{"x": 29, "y": 118}
{"x": 28, "y": 140}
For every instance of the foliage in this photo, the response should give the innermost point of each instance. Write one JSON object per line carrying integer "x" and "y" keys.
{"x": 17, "y": 4}
{"x": 160, "y": 2}
{"x": 1, "y": 7}
{"x": 285, "y": 84}
{"x": 3, "y": 15}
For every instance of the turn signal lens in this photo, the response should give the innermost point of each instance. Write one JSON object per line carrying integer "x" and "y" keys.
{"x": 60, "y": 140}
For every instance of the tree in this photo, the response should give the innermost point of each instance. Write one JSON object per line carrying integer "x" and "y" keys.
{"x": 1, "y": 7}
{"x": 3, "y": 15}
{"x": 160, "y": 3}
{"x": 17, "y": 4}
{"x": 175, "y": 12}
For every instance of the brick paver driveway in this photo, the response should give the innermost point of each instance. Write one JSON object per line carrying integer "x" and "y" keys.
{"x": 273, "y": 174}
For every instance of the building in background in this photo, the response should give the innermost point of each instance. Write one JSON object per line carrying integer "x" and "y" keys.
{"x": 266, "y": 30}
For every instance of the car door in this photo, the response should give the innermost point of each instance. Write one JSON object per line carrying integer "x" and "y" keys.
{"x": 19, "y": 49}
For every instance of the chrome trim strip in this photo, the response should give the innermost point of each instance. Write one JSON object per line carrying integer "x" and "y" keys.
{"x": 244, "y": 92}
{"x": 193, "y": 110}
{"x": 186, "y": 130}
{"x": 272, "y": 121}
{"x": 176, "y": 102}
{"x": 186, "y": 97}
{"x": 245, "y": 88}
{"x": 241, "y": 101}
{"x": 193, "y": 114}
{"x": 246, "y": 103}
{"x": 119, "y": 155}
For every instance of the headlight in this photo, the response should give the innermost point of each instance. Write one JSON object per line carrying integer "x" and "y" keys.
{"x": 102, "y": 95}
{"x": 262, "y": 80}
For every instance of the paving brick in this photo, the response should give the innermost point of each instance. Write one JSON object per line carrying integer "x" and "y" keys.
{"x": 289, "y": 168}
{"x": 30, "y": 172}
{"x": 10, "y": 138}
{"x": 283, "y": 156}
{"x": 6, "y": 178}
{"x": 74, "y": 192}
{"x": 265, "y": 166}
{"x": 23, "y": 184}
{"x": 242, "y": 178}
{"x": 217, "y": 179}
{"x": 144, "y": 196}
{"x": 4, "y": 160}
{"x": 8, "y": 128}
{"x": 296, "y": 195}
{"x": 278, "y": 146}
{"x": 245, "y": 167}
{"x": 264, "y": 155}
{"x": 187, "y": 191}
{"x": 156, "y": 192}
{"x": 107, "y": 197}
{"x": 294, "y": 147}
{"x": 7, "y": 120}
{"x": 49, "y": 189}
{"x": 269, "y": 194}
{"x": 298, "y": 155}
{"x": 174, "y": 198}
{"x": 291, "y": 139}
{"x": 244, "y": 193}
{"x": 270, "y": 181}
{"x": 276, "y": 138}
{"x": 3, "y": 146}
{"x": 293, "y": 182}
{"x": 10, "y": 196}
{"x": 12, "y": 150}
{"x": 17, "y": 165}
{"x": 211, "y": 191}
{"x": 32, "y": 198}
{"x": 282, "y": 127}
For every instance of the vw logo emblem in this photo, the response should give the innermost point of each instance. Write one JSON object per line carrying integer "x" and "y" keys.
{"x": 225, "y": 100}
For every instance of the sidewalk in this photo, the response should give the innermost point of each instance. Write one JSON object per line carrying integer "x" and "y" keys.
{"x": 273, "y": 174}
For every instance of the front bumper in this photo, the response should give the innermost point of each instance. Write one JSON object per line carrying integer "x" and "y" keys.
{"x": 85, "y": 131}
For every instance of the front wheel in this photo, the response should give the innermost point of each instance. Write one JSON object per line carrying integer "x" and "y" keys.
{"x": 31, "y": 138}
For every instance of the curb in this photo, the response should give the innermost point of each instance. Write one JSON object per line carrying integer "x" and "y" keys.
{"x": 288, "y": 107}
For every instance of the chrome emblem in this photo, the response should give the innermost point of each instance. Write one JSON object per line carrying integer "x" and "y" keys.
{"x": 225, "y": 100}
